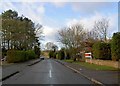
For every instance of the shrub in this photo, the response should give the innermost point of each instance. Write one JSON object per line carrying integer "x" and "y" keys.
{"x": 14, "y": 56}
{"x": 102, "y": 51}
{"x": 54, "y": 55}
{"x": 30, "y": 54}
{"x": 61, "y": 54}
{"x": 115, "y": 46}
{"x": 57, "y": 55}
{"x": 51, "y": 54}
{"x": 67, "y": 55}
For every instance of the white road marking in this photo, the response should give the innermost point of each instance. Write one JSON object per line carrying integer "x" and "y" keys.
{"x": 50, "y": 71}
{"x": 50, "y": 74}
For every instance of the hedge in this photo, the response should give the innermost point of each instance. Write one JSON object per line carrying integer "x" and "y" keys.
{"x": 14, "y": 56}
{"x": 102, "y": 51}
{"x": 30, "y": 54}
{"x": 115, "y": 46}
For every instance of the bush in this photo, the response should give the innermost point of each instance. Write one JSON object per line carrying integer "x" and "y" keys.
{"x": 30, "y": 54}
{"x": 61, "y": 54}
{"x": 51, "y": 54}
{"x": 54, "y": 55}
{"x": 102, "y": 51}
{"x": 115, "y": 46}
{"x": 67, "y": 55}
{"x": 14, "y": 56}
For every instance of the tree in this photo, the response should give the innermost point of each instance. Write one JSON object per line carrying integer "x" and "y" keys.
{"x": 54, "y": 48}
{"x": 51, "y": 46}
{"x": 19, "y": 32}
{"x": 61, "y": 54}
{"x": 73, "y": 38}
{"x": 8, "y": 20}
{"x": 39, "y": 32}
{"x": 101, "y": 27}
{"x": 115, "y": 46}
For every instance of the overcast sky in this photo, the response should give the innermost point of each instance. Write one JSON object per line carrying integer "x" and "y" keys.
{"x": 54, "y": 15}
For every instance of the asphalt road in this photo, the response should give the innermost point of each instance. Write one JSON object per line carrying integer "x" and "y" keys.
{"x": 47, "y": 71}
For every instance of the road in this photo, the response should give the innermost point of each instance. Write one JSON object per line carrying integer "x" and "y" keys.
{"x": 47, "y": 71}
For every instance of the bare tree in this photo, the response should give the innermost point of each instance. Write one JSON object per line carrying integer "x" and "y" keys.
{"x": 63, "y": 36}
{"x": 101, "y": 28}
{"x": 51, "y": 46}
{"x": 72, "y": 38}
{"x": 91, "y": 36}
{"x": 39, "y": 31}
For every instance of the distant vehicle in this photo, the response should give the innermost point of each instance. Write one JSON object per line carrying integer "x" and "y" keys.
{"x": 42, "y": 58}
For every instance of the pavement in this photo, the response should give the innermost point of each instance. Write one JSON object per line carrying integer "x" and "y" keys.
{"x": 9, "y": 70}
{"x": 102, "y": 77}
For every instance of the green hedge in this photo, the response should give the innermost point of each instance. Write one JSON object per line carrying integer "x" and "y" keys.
{"x": 14, "y": 56}
{"x": 102, "y": 51}
{"x": 115, "y": 46}
{"x": 30, "y": 54}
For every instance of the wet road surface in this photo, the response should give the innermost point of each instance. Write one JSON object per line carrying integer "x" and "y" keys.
{"x": 47, "y": 71}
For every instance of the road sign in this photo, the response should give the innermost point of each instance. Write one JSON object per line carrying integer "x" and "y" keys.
{"x": 88, "y": 55}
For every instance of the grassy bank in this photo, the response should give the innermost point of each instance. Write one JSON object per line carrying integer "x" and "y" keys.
{"x": 91, "y": 66}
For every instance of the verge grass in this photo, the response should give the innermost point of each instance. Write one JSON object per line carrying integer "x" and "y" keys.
{"x": 92, "y": 66}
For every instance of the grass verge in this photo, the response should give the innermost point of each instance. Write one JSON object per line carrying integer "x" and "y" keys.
{"x": 92, "y": 66}
{"x": 68, "y": 60}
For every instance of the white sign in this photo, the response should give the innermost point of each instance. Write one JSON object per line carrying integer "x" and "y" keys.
{"x": 88, "y": 55}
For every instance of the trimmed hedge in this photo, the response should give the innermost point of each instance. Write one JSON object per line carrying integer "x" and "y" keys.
{"x": 30, "y": 54}
{"x": 102, "y": 51}
{"x": 14, "y": 56}
{"x": 115, "y": 46}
